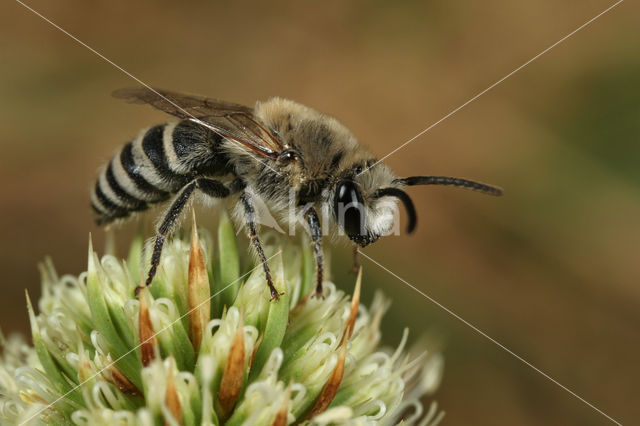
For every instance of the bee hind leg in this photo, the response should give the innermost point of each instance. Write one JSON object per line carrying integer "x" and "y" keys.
{"x": 315, "y": 231}
{"x": 250, "y": 221}
{"x": 212, "y": 188}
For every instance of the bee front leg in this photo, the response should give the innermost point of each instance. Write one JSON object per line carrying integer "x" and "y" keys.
{"x": 315, "y": 231}
{"x": 250, "y": 221}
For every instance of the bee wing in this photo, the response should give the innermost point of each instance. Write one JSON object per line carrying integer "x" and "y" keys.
{"x": 232, "y": 121}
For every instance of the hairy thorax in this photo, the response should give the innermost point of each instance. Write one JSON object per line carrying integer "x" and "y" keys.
{"x": 323, "y": 149}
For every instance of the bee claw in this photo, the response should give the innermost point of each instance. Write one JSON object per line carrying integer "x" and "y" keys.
{"x": 319, "y": 295}
{"x": 275, "y": 295}
{"x": 138, "y": 290}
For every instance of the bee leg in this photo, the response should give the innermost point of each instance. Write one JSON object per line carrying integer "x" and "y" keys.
{"x": 356, "y": 260}
{"x": 315, "y": 231}
{"x": 212, "y": 188}
{"x": 250, "y": 213}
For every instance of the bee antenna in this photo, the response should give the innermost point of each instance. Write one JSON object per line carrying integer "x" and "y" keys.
{"x": 450, "y": 181}
{"x": 406, "y": 200}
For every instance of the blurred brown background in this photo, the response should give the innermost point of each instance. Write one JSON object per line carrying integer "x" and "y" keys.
{"x": 550, "y": 270}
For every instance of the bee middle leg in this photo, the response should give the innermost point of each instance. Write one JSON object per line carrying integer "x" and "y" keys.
{"x": 315, "y": 231}
{"x": 210, "y": 187}
{"x": 250, "y": 221}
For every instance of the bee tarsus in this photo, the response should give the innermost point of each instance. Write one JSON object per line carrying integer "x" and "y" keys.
{"x": 315, "y": 231}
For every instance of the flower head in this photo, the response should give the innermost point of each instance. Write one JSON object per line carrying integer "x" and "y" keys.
{"x": 205, "y": 345}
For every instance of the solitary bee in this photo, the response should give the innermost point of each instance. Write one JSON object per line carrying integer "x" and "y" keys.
{"x": 222, "y": 149}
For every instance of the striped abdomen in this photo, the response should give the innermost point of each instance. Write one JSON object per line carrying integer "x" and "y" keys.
{"x": 155, "y": 166}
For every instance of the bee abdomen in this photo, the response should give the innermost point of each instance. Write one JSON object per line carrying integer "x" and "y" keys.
{"x": 155, "y": 165}
{"x": 153, "y": 158}
{"x": 121, "y": 189}
{"x": 130, "y": 176}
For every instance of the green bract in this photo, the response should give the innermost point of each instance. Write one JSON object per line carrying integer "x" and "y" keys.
{"x": 204, "y": 345}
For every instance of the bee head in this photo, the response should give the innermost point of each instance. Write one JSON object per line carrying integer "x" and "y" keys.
{"x": 360, "y": 211}
{"x": 365, "y": 202}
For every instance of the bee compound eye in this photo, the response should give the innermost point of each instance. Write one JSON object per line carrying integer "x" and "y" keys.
{"x": 349, "y": 209}
{"x": 286, "y": 157}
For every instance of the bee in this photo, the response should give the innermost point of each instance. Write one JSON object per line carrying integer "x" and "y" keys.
{"x": 277, "y": 148}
